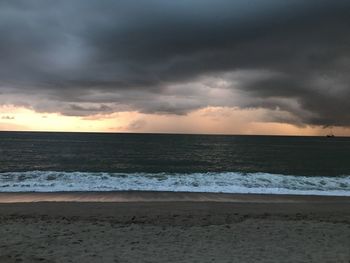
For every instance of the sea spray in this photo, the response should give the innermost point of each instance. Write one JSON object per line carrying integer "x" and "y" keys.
{"x": 214, "y": 182}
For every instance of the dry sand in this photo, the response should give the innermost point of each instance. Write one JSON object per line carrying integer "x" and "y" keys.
{"x": 168, "y": 227}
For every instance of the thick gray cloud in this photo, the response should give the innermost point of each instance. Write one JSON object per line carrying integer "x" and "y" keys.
{"x": 85, "y": 57}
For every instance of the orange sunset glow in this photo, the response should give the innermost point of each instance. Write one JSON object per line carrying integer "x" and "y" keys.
{"x": 210, "y": 120}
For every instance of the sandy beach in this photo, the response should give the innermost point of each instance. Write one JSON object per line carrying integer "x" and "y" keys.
{"x": 173, "y": 227}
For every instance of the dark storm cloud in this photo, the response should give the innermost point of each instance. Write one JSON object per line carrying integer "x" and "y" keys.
{"x": 94, "y": 56}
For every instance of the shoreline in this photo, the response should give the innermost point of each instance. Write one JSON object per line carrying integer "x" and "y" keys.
{"x": 121, "y": 206}
{"x": 164, "y": 196}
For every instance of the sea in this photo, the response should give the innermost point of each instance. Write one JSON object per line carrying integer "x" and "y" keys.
{"x": 56, "y": 162}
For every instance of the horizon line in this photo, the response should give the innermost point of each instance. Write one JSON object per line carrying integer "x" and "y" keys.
{"x": 169, "y": 133}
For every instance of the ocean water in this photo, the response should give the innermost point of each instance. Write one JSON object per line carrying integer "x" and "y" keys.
{"x": 47, "y": 162}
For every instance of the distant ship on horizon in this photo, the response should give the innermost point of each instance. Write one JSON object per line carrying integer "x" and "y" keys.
{"x": 330, "y": 134}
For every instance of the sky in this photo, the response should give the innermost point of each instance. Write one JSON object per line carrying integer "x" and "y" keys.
{"x": 185, "y": 66}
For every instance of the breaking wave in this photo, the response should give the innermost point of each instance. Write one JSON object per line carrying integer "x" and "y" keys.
{"x": 221, "y": 182}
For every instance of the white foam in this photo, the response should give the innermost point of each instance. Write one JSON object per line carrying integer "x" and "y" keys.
{"x": 227, "y": 182}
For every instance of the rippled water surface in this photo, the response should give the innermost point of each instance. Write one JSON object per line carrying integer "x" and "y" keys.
{"x": 88, "y": 161}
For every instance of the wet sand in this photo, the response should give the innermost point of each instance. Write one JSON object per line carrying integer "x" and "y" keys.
{"x": 173, "y": 227}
